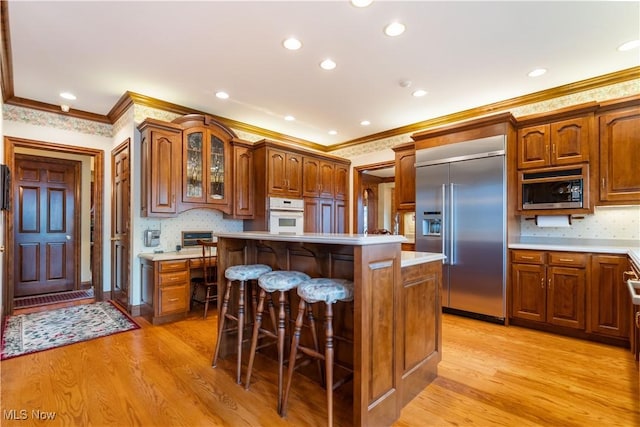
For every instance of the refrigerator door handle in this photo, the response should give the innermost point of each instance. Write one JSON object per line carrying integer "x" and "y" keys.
{"x": 443, "y": 227}
{"x": 452, "y": 248}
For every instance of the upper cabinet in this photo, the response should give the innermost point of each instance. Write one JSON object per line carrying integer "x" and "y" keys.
{"x": 206, "y": 163}
{"x": 195, "y": 162}
{"x": 161, "y": 145}
{"x": 556, "y": 142}
{"x": 318, "y": 177}
{"x": 243, "y": 176}
{"x": 405, "y": 193}
{"x": 619, "y": 126}
{"x": 284, "y": 173}
{"x": 341, "y": 181}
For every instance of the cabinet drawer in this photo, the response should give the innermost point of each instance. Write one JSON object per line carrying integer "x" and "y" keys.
{"x": 176, "y": 265}
{"x": 177, "y": 278}
{"x": 527, "y": 257}
{"x": 568, "y": 258}
{"x": 173, "y": 299}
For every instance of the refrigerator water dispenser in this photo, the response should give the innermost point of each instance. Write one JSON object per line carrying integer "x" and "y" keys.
{"x": 432, "y": 224}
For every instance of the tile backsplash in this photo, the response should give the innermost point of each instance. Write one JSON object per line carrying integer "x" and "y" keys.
{"x": 611, "y": 222}
{"x": 192, "y": 220}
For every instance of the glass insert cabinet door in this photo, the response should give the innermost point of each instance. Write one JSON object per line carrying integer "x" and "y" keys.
{"x": 194, "y": 166}
{"x": 216, "y": 169}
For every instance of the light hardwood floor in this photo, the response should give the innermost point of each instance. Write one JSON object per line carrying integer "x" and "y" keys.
{"x": 490, "y": 375}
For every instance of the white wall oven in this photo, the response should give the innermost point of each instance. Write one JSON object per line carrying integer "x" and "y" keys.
{"x": 286, "y": 216}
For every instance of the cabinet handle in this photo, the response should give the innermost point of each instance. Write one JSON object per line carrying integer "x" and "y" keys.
{"x": 549, "y": 283}
{"x": 542, "y": 283}
{"x": 566, "y": 259}
{"x": 603, "y": 183}
{"x": 526, "y": 257}
{"x": 638, "y": 319}
{"x": 173, "y": 300}
{"x": 553, "y": 148}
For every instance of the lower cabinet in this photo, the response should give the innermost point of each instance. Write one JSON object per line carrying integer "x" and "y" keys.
{"x": 571, "y": 291}
{"x": 165, "y": 289}
{"x": 610, "y": 310}
{"x": 420, "y": 327}
{"x": 549, "y": 287}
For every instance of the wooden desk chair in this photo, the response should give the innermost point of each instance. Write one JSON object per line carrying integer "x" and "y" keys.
{"x": 207, "y": 285}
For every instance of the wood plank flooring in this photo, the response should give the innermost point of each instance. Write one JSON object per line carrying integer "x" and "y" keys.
{"x": 490, "y": 375}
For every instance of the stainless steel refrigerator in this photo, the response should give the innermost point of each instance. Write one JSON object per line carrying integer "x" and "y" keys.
{"x": 461, "y": 212}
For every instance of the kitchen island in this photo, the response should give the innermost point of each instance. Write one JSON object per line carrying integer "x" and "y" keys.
{"x": 392, "y": 329}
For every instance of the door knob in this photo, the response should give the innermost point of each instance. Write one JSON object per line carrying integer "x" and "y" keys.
{"x": 68, "y": 237}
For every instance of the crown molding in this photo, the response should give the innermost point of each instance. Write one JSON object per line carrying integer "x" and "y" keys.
{"x": 6, "y": 61}
{"x": 532, "y": 98}
{"x": 131, "y": 98}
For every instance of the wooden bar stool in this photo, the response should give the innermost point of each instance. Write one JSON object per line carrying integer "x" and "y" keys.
{"x": 318, "y": 290}
{"x": 208, "y": 283}
{"x": 240, "y": 274}
{"x": 282, "y": 282}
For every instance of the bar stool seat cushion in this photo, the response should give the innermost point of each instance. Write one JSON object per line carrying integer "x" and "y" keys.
{"x": 281, "y": 280}
{"x": 327, "y": 290}
{"x": 246, "y": 272}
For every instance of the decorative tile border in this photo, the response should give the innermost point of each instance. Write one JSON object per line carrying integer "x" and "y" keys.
{"x": 57, "y": 121}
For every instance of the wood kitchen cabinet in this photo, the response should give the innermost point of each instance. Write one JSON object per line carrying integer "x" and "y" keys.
{"x": 319, "y": 215}
{"x": 284, "y": 173}
{"x": 554, "y": 144}
{"x": 281, "y": 170}
{"x": 420, "y": 327}
{"x": 610, "y": 306}
{"x": 161, "y": 147}
{"x": 165, "y": 289}
{"x": 206, "y": 163}
{"x": 243, "y": 180}
{"x": 317, "y": 177}
{"x": 405, "y": 160}
{"x": 549, "y": 287}
{"x": 619, "y": 126}
{"x": 341, "y": 181}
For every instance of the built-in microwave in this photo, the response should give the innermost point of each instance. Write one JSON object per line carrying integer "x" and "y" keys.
{"x": 557, "y": 188}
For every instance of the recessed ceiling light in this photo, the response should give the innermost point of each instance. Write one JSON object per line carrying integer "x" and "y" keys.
{"x": 67, "y": 95}
{"x": 419, "y": 93}
{"x": 292, "y": 43}
{"x": 365, "y": 123}
{"x": 629, "y": 45}
{"x": 222, "y": 95}
{"x": 328, "y": 64}
{"x": 361, "y": 3}
{"x": 333, "y": 132}
{"x": 394, "y": 29}
{"x": 289, "y": 118}
{"x": 537, "y": 72}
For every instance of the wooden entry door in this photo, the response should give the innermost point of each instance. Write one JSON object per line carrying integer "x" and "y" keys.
{"x": 46, "y": 254}
{"x": 120, "y": 213}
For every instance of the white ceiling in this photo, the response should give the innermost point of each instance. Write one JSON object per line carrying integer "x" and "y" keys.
{"x": 465, "y": 54}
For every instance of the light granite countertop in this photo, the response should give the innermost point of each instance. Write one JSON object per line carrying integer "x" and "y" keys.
{"x": 327, "y": 238}
{"x": 607, "y": 246}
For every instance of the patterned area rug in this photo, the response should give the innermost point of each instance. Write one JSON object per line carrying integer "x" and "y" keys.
{"x": 30, "y": 333}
